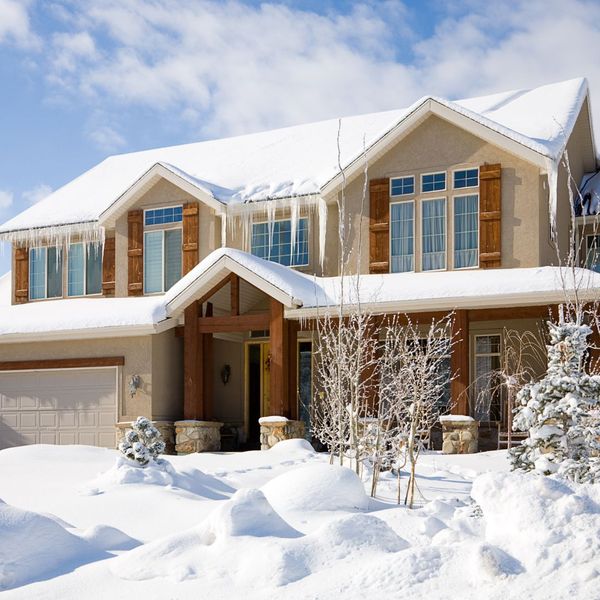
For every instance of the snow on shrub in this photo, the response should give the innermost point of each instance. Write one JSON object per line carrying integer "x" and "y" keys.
{"x": 142, "y": 443}
{"x": 555, "y": 411}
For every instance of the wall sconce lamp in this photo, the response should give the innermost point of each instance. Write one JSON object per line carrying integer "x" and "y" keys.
{"x": 225, "y": 374}
{"x": 135, "y": 383}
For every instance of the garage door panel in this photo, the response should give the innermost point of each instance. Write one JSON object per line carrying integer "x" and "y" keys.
{"x": 58, "y": 407}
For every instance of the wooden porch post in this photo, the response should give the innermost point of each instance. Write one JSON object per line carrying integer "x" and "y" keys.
{"x": 279, "y": 370}
{"x": 192, "y": 364}
{"x": 459, "y": 363}
{"x": 208, "y": 366}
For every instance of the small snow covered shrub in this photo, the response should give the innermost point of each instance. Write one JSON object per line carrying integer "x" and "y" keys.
{"x": 142, "y": 443}
{"x": 555, "y": 411}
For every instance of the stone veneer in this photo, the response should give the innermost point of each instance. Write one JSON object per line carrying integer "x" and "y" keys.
{"x": 460, "y": 434}
{"x": 276, "y": 429}
{"x": 166, "y": 428}
{"x": 197, "y": 436}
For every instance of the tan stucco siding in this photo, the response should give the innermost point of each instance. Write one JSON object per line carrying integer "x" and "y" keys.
{"x": 167, "y": 376}
{"x": 437, "y": 145}
{"x": 228, "y": 400}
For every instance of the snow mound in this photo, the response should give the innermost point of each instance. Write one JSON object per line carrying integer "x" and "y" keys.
{"x": 294, "y": 446}
{"x": 562, "y": 520}
{"x": 317, "y": 487}
{"x": 108, "y": 538}
{"x": 35, "y": 547}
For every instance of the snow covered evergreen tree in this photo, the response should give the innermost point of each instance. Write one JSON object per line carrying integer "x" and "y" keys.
{"x": 142, "y": 443}
{"x": 563, "y": 436}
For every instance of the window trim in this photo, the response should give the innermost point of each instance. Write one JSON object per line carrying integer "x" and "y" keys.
{"x": 414, "y": 192}
{"x": 163, "y": 225}
{"x": 68, "y": 253}
{"x": 587, "y": 248}
{"x": 454, "y": 196}
{"x": 308, "y": 229}
{"x": 62, "y": 282}
{"x": 161, "y": 229}
{"x": 414, "y": 228}
{"x": 445, "y": 173}
{"x": 445, "y": 199}
{"x": 473, "y": 359}
{"x": 468, "y": 187}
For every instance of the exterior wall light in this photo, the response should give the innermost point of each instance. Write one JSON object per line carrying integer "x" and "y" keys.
{"x": 225, "y": 374}
{"x": 135, "y": 383}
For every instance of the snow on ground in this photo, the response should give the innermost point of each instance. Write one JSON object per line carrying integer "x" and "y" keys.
{"x": 77, "y": 521}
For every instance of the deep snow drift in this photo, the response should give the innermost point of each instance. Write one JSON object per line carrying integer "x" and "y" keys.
{"x": 80, "y": 522}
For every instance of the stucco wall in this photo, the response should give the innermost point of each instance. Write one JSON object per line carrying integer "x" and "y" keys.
{"x": 167, "y": 376}
{"x": 228, "y": 402}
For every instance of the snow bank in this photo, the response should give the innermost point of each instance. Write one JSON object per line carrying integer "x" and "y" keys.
{"x": 317, "y": 487}
{"x": 108, "y": 538}
{"x": 35, "y": 547}
{"x": 5, "y": 289}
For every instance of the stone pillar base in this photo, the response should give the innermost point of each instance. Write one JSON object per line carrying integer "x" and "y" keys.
{"x": 197, "y": 436}
{"x": 276, "y": 429}
{"x": 460, "y": 434}
{"x": 166, "y": 428}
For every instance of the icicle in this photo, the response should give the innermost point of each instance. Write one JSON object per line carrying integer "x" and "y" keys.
{"x": 293, "y": 223}
{"x": 56, "y": 235}
{"x": 223, "y": 230}
{"x": 552, "y": 169}
{"x": 322, "y": 208}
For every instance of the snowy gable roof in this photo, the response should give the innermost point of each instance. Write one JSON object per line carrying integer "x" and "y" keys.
{"x": 300, "y": 160}
{"x": 5, "y": 289}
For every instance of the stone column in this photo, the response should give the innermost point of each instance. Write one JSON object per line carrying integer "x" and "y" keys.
{"x": 197, "y": 436}
{"x": 166, "y": 428}
{"x": 276, "y": 429}
{"x": 460, "y": 434}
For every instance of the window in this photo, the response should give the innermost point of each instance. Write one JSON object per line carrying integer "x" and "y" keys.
{"x": 402, "y": 222}
{"x": 162, "y": 259}
{"x": 592, "y": 257}
{"x": 433, "y": 182}
{"x": 466, "y": 231}
{"x": 45, "y": 273}
{"x": 163, "y": 216}
{"x": 84, "y": 269}
{"x": 487, "y": 365}
{"x": 434, "y": 234}
{"x": 402, "y": 186}
{"x": 466, "y": 178}
{"x": 305, "y": 390}
{"x": 273, "y": 241}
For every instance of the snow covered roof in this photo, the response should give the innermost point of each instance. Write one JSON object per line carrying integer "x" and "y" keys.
{"x": 5, "y": 289}
{"x": 302, "y": 160}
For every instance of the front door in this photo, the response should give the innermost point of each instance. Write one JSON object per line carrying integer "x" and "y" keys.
{"x": 258, "y": 388}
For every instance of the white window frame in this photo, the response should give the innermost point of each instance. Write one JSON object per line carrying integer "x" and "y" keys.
{"x": 163, "y": 225}
{"x": 445, "y": 173}
{"x": 62, "y": 286}
{"x": 262, "y": 222}
{"x": 469, "y": 187}
{"x": 162, "y": 229}
{"x": 423, "y": 200}
{"x": 414, "y": 192}
{"x": 414, "y": 227}
{"x": 454, "y": 268}
{"x": 68, "y": 253}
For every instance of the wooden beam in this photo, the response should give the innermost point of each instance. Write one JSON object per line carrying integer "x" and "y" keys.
{"x": 459, "y": 363}
{"x": 235, "y": 295}
{"x": 192, "y": 364}
{"x": 542, "y": 311}
{"x": 62, "y": 363}
{"x": 279, "y": 361}
{"x": 227, "y": 323}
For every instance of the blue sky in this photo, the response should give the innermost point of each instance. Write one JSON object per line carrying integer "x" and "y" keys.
{"x": 80, "y": 80}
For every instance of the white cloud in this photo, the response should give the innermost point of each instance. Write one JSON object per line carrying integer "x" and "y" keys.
{"x": 37, "y": 193}
{"x": 106, "y": 138}
{"x": 6, "y": 199}
{"x": 15, "y": 25}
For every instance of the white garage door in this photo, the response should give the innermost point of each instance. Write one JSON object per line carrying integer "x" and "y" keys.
{"x": 75, "y": 406}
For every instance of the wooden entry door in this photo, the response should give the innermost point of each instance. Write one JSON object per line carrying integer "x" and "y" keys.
{"x": 258, "y": 388}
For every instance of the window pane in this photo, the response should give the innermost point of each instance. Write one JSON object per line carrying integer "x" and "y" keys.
{"x": 593, "y": 253}
{"x": 37, "y": 273}
{"x": 305, "y": 384}
{"x": 54, "y": 273}
{"x": 466, "y": 178}
{"x": 487, "y": 344}
{"x": 466, "y": 231}
{"x": 274, "y": 243}
{"x": 172, "y": 257}
{"x": 160, "y": 216}
{"x": 402, "y": 186}
{"x": 94, "y": 269}
{"x": 75, "y": 270}
{"x": 433, "y": 182}
{"x": 434, "y": 234}
{"x": 402, "y": 232}
{"x": 153, "y": 262}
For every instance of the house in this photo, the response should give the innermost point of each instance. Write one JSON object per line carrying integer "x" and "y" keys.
{"x": 180, "y": 283}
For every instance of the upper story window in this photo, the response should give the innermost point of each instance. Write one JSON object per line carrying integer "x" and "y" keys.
{"x": 402, "y": 229}
{"x": 45, "y": 273}
{"x": 466, "y": 231}
{"x": 434, "y": 234}
{"x": 402, "y": 186}
{"x": 162, "y": 248}
{"x": 84, "y": 270}
{"x": 273, "y": 241}
{"x": 592, "y": 256}
{"x": 465, "y": 178}
{"x": 433, "y": 182}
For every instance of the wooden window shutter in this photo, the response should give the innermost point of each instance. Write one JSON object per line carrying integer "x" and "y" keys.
{"x": 490, "y": 216}
{"x": 379, "y": 226}
{"x": 190, "y": 236}
{"x": 21, "y": 280}
{"x": 135, "y": 253}
{"x": 108, "y": 267}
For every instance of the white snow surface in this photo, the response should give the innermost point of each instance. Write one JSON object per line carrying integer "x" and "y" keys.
{"x": 5, "y": 289}
{"x": 224, "y": 525}
{"x": 300, "y": 160}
